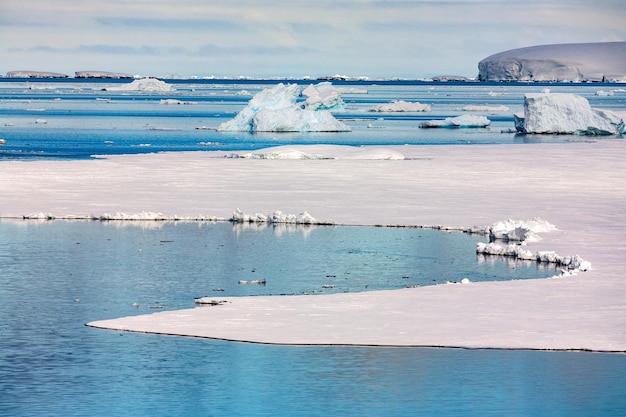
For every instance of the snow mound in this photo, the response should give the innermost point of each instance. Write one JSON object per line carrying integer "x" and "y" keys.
{"x": 519, "y": 230}
{"x": 318, "y": 152}
{"x": 563, "y": 113}
{"x": 276, "y": 217}
{"x": 324, "y": 96}
{"x": 465, "y": 120}
{"x": 143, "y": 84}
{"x": 275, "y": 110}
{"x": 601, "y": 61}
{"x": 401, "y": 106}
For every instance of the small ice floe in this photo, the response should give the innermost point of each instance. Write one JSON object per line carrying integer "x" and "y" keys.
{"x": 2, "y": 141}
{"x": 252, "y": 281}
{"x": 135, "y": 304}
{"x": 173, "y": 101}
{"x": 327, "y": 286}
{"x": 463, "y": 121}
{"x": 41, "y": 121}
{"x": 400, "y": 106}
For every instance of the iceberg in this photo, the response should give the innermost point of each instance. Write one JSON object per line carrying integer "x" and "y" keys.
{"x": 562, "y": 113}
{"x": 400, "y": 106}
{"x": 34, "y": 74}
{"x": 275, "y": 110}
{"x": 465, "y": 120}
{"x": 601, "y": 61}
{"x": 324, "y": 96}
{"x": 143, "y": 84}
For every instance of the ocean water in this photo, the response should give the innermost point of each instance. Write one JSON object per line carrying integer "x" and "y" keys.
{"x": 56, "y": 276}
{"x": 77, "y": 119}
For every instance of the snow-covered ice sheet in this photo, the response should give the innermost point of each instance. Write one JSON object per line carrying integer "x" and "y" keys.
{"x": 578, "y": 187}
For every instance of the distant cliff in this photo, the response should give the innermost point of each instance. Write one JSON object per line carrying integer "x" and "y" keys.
{"x": 602, "y": 61}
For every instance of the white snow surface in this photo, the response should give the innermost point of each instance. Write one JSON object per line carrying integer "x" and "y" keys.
{"x": 143, "y": 84}
{"x": 579, "y": 188}
{"x": 464, "y": 120}
{"x": 275, "y": 109}
{"x": 401, "y": 106}
{"x": 562, "y": 113}
{"x": 600, "y": 61}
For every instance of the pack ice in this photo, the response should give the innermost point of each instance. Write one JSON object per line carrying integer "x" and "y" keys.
{"x": 276, "y": 109}
{"x": 565, "y": 114}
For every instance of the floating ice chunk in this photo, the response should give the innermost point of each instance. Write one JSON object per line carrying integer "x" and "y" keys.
{"x": 170, "y": 101}
{"x": 566, "y": 114}
{"x": 143, "y": 84}
{"x": 465, "y": 120}
{"x": 275, "y": 110}
{"x": 323, "y": 96}
{"x": 484, "y": 108}
{"x": 401, "y": 106}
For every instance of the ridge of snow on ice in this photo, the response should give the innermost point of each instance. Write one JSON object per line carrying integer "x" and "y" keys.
{"x": 601, "y": 61}
{"x": 522, "y": 232}
{"x": 275, "y": 110}
{"x": 566, "y": 114}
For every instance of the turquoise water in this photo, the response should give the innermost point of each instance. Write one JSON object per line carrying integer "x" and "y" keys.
{"x": 56, "y": 276}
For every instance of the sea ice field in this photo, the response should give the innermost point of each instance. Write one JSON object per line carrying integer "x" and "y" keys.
{"x": 109, "y": 197}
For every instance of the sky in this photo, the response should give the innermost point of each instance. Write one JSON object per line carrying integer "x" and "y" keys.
{"x": 396, "y": 38}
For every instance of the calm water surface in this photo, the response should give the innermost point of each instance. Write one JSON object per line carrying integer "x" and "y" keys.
{"x": 57, "y": 276}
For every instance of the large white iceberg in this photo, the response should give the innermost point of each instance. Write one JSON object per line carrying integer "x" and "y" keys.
{"x": 275, "y": 110}
{"x": 565, "y": 114}
{"x": 143, "y": 84}
{"x": 601, "y": 61}
{"x": 464, "y": 120}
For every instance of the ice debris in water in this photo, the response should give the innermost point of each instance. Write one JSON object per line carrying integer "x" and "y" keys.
{"x": 275, "y": 110}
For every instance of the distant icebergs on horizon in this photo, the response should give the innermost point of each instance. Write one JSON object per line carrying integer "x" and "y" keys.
{"x": 601, "y": 61}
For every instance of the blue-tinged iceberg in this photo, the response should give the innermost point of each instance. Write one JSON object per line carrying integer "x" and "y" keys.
{"x": 143, "y": 84}
{"x": 276, "y": 109}
{"x": 601, "y": 61}
{"x": 560, "y": 113}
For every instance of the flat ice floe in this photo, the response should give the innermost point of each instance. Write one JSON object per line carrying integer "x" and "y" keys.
{"x": 580, "y": 188}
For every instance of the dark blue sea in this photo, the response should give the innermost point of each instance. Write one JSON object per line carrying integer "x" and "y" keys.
{"x": 55, "y": 276}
